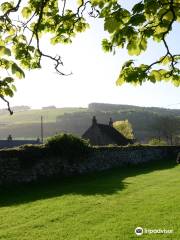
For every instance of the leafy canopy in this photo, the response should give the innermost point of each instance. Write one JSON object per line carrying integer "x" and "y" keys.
{"x": 157, "y": 142}
{"x": 23, "y": 23}
{"x": 125, "y": 128}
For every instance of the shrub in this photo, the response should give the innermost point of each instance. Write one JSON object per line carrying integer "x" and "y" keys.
{"x": 68, "y": 145}
{"x": 157, "y": 142}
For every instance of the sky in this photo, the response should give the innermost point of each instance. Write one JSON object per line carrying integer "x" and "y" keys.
{"x": 94, "y": 75}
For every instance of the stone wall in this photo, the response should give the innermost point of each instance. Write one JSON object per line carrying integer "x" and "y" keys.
{"x": 33, "y": 163}
{"x": 16, "y": 143}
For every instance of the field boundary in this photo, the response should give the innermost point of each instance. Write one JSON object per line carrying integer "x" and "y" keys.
{"x": 34, "y": 162}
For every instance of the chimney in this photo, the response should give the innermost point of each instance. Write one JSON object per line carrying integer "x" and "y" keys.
{"x": 111, "y": 122}
{"x": 94, "y": 121}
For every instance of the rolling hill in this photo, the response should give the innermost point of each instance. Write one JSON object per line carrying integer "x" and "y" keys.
{"x": 26, "y": 124}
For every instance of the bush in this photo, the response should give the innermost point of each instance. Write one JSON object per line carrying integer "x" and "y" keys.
{"x": 157, "y": 142}
{"x": 68, "y": 145}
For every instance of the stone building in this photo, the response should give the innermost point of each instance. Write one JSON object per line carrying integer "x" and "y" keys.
{"x": 101, "y": 134}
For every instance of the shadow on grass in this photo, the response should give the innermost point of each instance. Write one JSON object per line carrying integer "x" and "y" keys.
{"x": 102, "y": 183}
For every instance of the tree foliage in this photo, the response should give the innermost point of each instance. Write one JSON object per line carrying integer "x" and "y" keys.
{"x": 167, "y": 128}
{"x": 68, "y": 145}
{"x": 157, "y": 142}
{"x": 125, "y": 128}
{"x": 23, "y": 23}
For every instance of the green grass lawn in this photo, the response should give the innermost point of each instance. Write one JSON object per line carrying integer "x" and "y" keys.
{"x": 105, "y": 206}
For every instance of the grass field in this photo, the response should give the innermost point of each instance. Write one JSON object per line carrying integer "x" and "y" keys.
{"x": 26, "y": 124}
{"x": 105, "y": 206}
{"x": 34, "y": 116}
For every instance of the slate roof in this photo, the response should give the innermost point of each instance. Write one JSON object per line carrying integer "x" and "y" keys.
{"x": 102, "y": 134}
{"x": 114, "y": 134}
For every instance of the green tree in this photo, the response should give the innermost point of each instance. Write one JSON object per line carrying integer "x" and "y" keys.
{"x": 157, "y": 142}
{"x": 125, "y": 128}
{"x": 167, "y": 128}
{"x": 23, "y": 23}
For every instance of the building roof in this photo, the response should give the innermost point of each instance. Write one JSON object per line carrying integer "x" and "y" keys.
{"x": 113, "y": 134}
{"x": 102, "y": 134}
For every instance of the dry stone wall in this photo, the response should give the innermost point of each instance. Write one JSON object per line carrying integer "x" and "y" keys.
{"x": 31, "y": 164}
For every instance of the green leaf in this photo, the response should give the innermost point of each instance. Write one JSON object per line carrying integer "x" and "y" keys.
{"x": 137, "y": 19}
{"x": 165, "y": 60}
{"x": 4, "y": 51}
{"x": 17, "y": 71}
{"x": 8, "y": 92}
{"x": 5, "y": 6}
{"x": 137, "y": 8}
{"x": 111, "y": 24}
{"x": 8, "y": 79}
{"x": 133, "y": 47}
{"x": 79, "y": 2}
{"x": 5, "y": 64}
{"x": 13, "y": 87}
{"x": 127, "y": 64}
{"x": 106, "y": 45}
{"x": 26, "y": 12}
{"x": 156, "y": 75}
{"x": 143, "y": 44}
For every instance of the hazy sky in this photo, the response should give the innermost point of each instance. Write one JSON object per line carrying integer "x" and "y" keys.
{"x": 94, "y": 76}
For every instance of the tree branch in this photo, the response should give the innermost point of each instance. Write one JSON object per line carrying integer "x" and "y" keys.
{"x": 8, "y": 105}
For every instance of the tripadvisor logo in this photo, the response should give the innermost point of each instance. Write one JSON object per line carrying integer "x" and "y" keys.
{"x": 139, "y": 231}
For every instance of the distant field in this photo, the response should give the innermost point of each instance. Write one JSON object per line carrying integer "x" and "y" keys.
{"x": 103, "y": 206}
{"x": 28, "y": 130}
{"x": 26, "y": 124}
{"x": 34, "y": 116}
